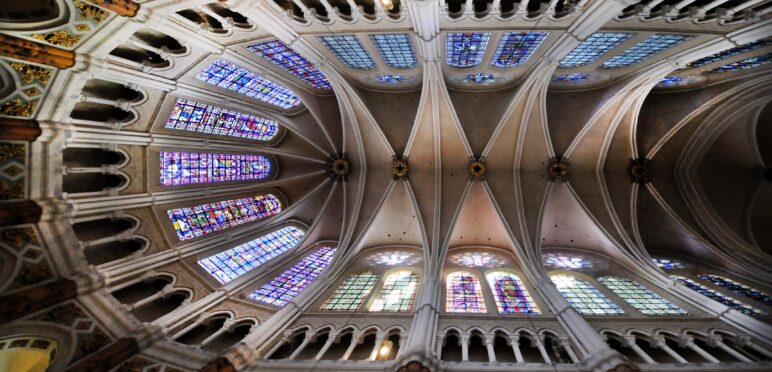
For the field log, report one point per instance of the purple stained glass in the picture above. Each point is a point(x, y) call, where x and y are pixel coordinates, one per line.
point(287, 285)
point(198, 117)
point(229, 76)
point(464, 294)
point(510, 294)
point(228, 265)
point(186, 168)
point(283, 56)
point(516, 47)
point(465, 49)
point(192, 222)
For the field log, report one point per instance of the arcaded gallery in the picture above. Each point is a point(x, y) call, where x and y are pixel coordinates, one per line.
point(385, 185)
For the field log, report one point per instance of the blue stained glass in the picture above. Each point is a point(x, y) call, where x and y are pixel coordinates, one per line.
point(571, 77)
point(390, 78)
point(669, 80)
point(593, 47)
point(192, 222)
point(510, 294)
point(667, 264)
point(738, 288)
point(745, 64)
point(645, 49)
point(228, 265)
point(729, 53)
point(464, 294)
point(198, 117)
point(395, 49)
point(640, 297)
point(516, 47)
point(185, 168)
point(229, 76)
point(726, 300)
point(348, 49)
point(465, 49)
point(479, 78)
point(283, 56)
point(287, 285)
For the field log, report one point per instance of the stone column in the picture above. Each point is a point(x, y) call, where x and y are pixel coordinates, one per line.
point(569, 350)
point(32, 51)
point(688, 341)
point(278, 345)
point(19, 130)
point(542, 350)
point(489, 339)
point(306, 340)
point(629, 341)
point(515, 342)
point(659, 342)
point(330, 339)
point(27, 301)
point(464, 340)
point(354, 341)
point(380, 336)
point(716, 341)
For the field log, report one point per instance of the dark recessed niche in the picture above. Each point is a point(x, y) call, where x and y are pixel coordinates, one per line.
point(768, 174)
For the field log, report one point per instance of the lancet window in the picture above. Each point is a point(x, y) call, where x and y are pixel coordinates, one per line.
point(593, 47)
point(397, 293)
point(192, 222)
point(186, 168)
point(738, 288)
point(639, 297)
point(290, 283)
point(198, 117)
point(745, 64)
point(716, 296)
point(465, 49)
point(729, 53)
point(645, 49)
point(352, 293)
point(510, 294)
point(464, 294)
point(281, 55)
point(229, 76)
point(584, 297)
point(668, 264)
point(228, 265)
point(348, 49)
point(395, 49)
point(516, 47)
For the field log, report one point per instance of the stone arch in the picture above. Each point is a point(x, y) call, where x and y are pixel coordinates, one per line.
point(450, 345)
point(64, 337)
point(232, 335)
point(33, 15)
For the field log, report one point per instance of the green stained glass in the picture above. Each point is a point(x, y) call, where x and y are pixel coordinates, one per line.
point(397, 293)
point(585, 298)
point(351, 293)
point(646, 301)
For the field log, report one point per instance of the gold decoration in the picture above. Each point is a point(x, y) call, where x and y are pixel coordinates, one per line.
point(91, 12)
point(477, 168)
point(399, 168)
point(19, 237)
point(11, 191)
point(82, 27)
point(18, 108)
point(32, 92)
point(12, 151)
point(61, 38)
point(30, 73)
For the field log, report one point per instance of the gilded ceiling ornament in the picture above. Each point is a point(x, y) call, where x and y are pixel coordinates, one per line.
point(60, 38)
point(558, 170)
point(18, 237)
point(91, 12)
point(82, 27)
point(477, 168)
point(399, 167)
point(18, 108)
point(32, 92)
point(10, 191)
point(639, 170)
point(12, 151)
point(30, 73)
point(339, 166)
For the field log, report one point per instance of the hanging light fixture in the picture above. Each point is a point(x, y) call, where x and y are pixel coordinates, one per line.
point(387, 4)
point(385, 348)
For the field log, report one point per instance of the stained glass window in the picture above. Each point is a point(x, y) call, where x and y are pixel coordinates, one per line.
point(198, 117)
point(585, 298)
point(352, 293)
point(567, 261)
point(571, 77)
point(745, 64)
point(203, 219)
point(667, 264)
point(729, 53)
point(645, 49)
point(228, 265)
point(738, 288)
point(229, 76)
point(516, 47)
point(397, 293)
point(478, 259)
point(465, 49)
point(287, 285)
point(670, 80)
point(714, 295)
point(593, 47)
point(390, 78)
point(510, 294)
point(639, 297)
point(464, 294)
point(283, 56)
point(479, 78)
point(348, 49)
point(393, 258)
point(395, 49)
point(185, 168)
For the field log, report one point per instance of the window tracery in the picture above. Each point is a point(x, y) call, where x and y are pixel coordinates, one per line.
point(395, 49)
point(650, 46)
point(724, 54)
point(510, 294)
point(745, 64)
point(192, 222)
point(465, 49)
point(198, 117)
point(639, 297)
point(464, 294)
point(397, 293)
point(516, 47)
point(584, 297)
point(349, 51)
point(227, 75)
point(718, 297)
point(478, 259)
point(228, 265)
point(392, 258)
point(668, 264)
point(738, 288)
point(281, 55)
point(290, 283)
point(567, 261)
point(571, 77)
point(185, 168)
point(352, 293)
point(479, 78)
point(390, 78)
point(595, 46)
